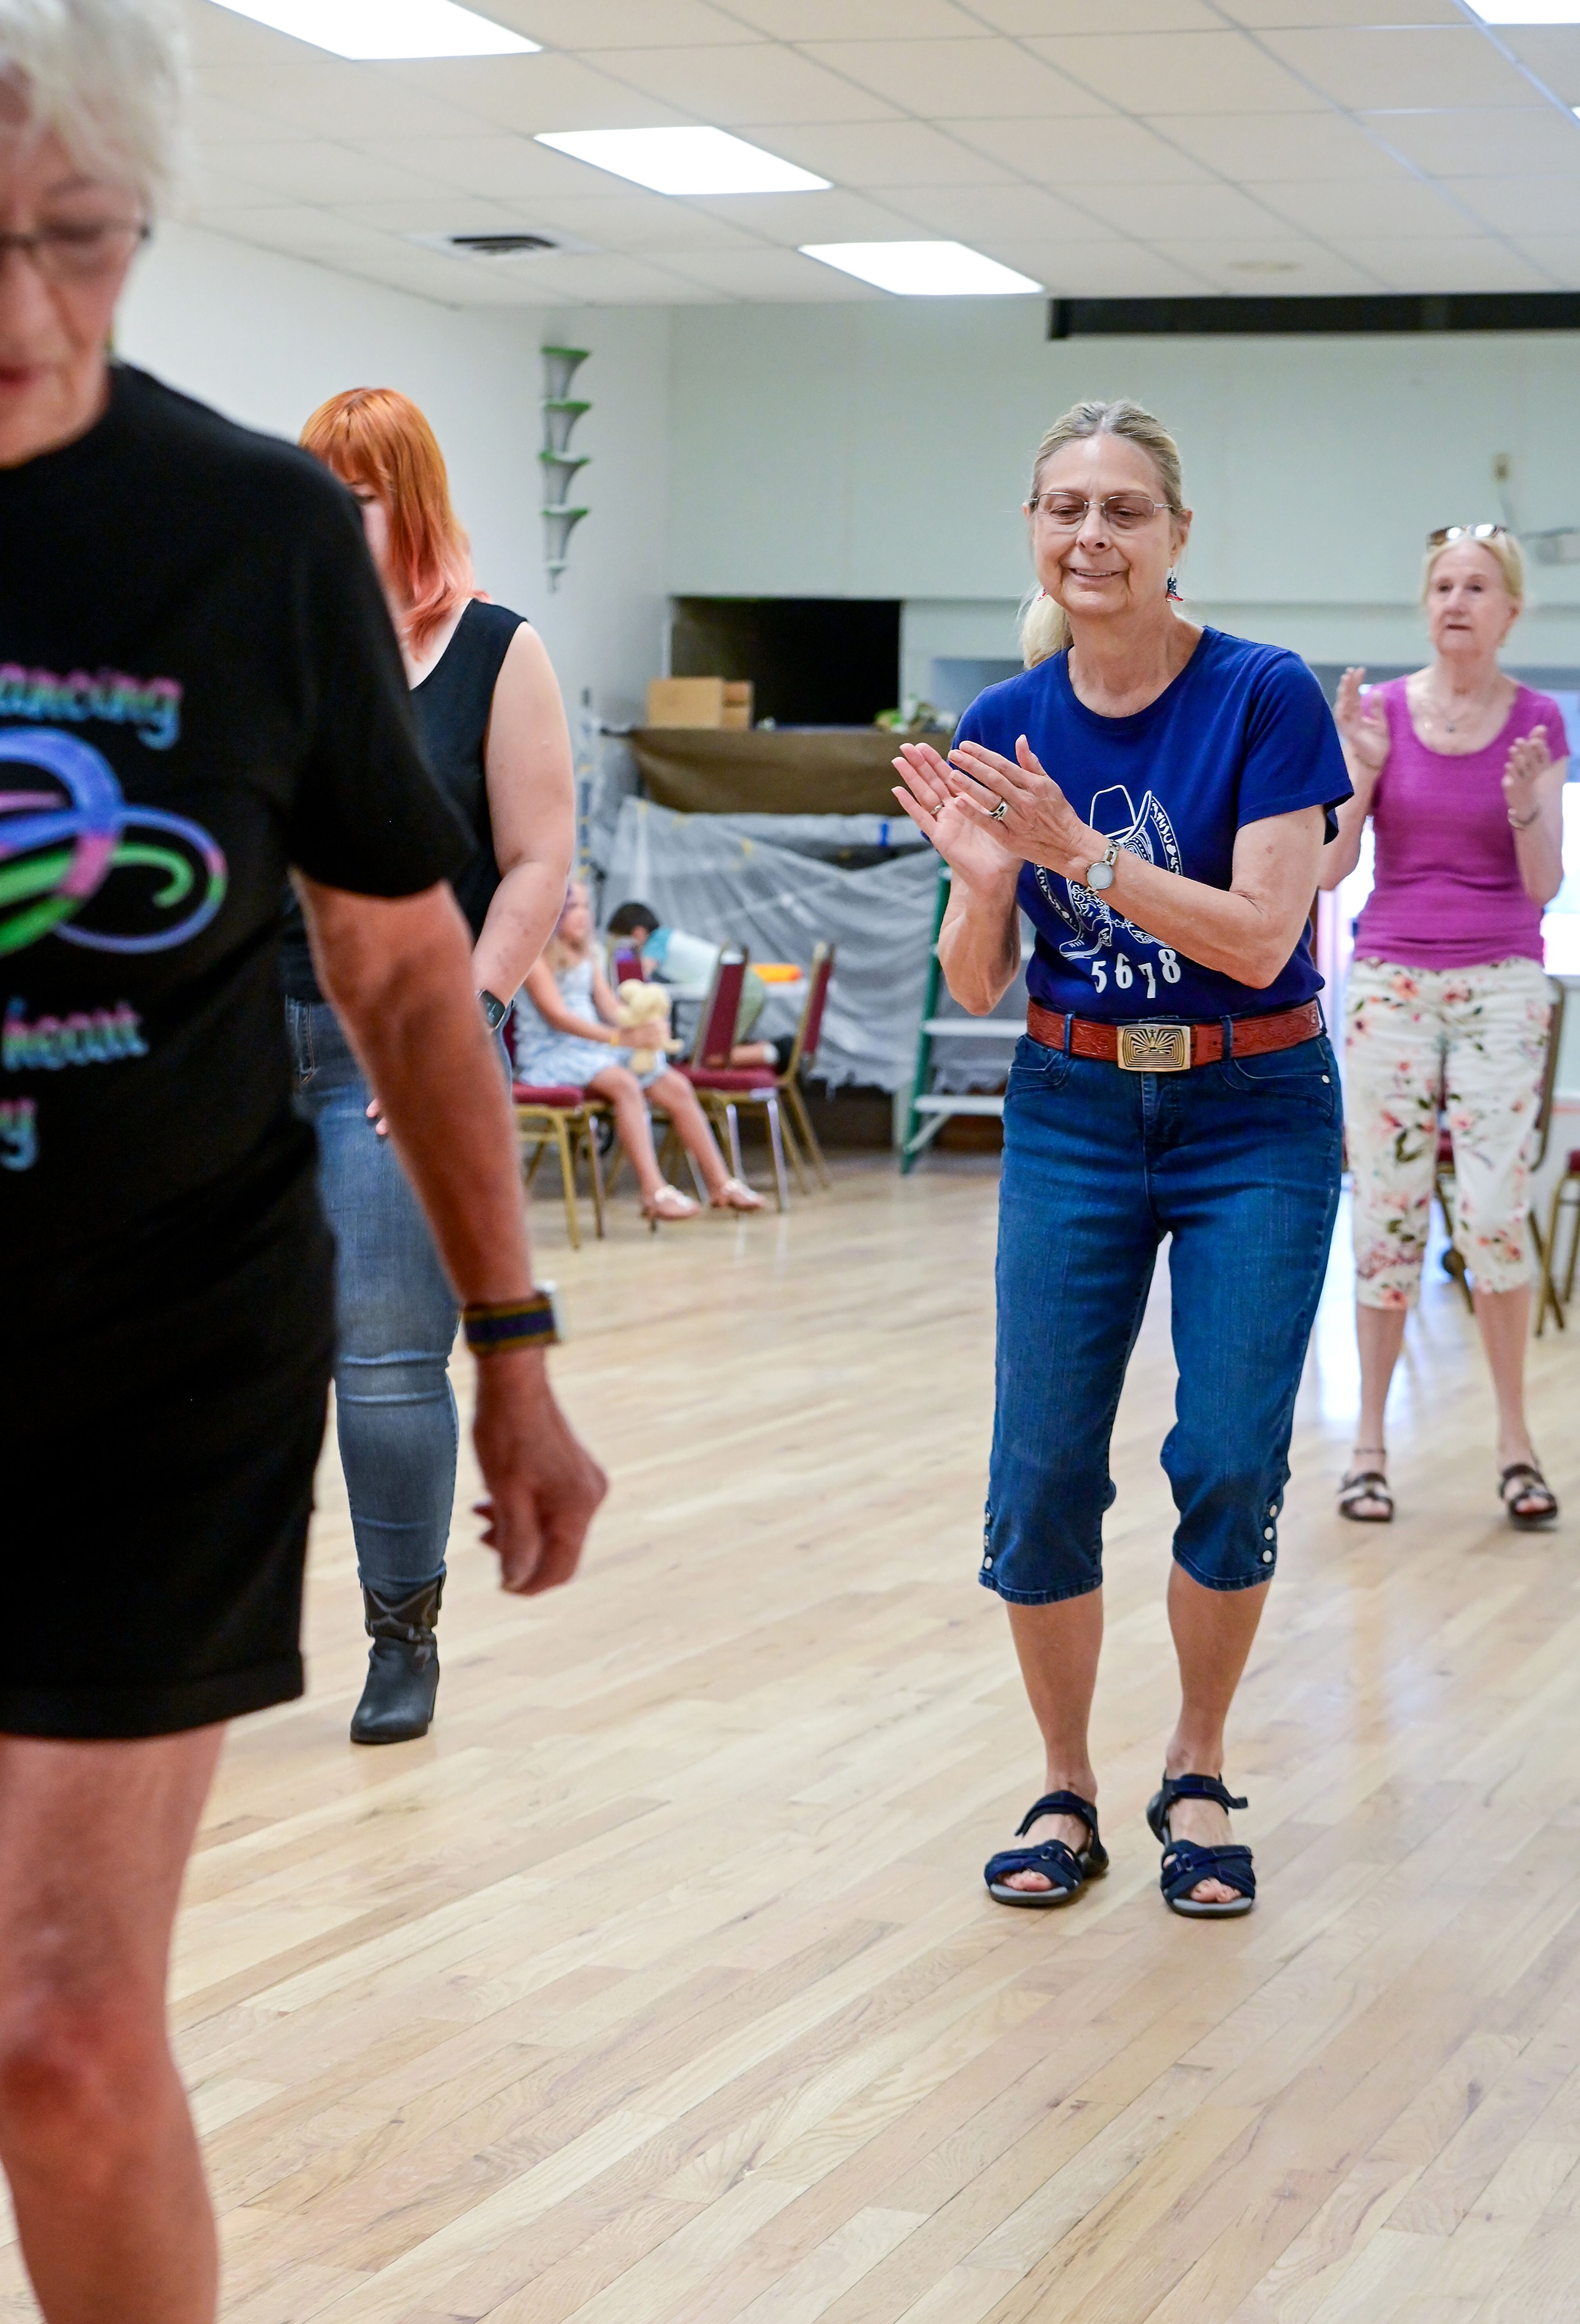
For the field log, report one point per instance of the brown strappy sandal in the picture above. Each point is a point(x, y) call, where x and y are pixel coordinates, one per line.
point(1366, 1485)
point(1523, 1481)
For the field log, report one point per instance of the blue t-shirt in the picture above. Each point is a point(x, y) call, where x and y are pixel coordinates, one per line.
point(1242, 733)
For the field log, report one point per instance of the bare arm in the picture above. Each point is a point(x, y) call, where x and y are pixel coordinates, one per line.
point(1533, 792)
point(526, 760)
point(1247, 930)
point(1363, 731)
point(549, 1003)
point(399, 974)
point(979, 943)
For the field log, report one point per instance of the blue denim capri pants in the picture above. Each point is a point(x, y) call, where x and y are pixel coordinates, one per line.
point(1238, 1164)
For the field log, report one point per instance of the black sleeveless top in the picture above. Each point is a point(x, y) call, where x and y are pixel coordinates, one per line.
point(452, 704)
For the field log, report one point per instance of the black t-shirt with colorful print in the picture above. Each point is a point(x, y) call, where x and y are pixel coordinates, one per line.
point(199, 688)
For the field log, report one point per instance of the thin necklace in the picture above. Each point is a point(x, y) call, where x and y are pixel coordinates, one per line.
point(1483, 703)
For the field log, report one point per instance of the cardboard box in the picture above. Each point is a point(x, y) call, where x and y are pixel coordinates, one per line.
point(699, 702)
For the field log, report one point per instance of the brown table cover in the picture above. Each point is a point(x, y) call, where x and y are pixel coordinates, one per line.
point(819, 770)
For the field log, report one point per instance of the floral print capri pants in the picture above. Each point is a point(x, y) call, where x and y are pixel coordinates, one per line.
point(1471, 1040)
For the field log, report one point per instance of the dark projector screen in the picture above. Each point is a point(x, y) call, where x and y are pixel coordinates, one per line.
point(814, 661)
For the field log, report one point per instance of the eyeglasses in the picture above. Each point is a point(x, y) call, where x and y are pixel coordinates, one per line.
point(79, 254)
point(1120, 512)
point(1447, 532)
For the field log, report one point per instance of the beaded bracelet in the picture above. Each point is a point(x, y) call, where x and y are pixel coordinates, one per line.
point(495, 1328)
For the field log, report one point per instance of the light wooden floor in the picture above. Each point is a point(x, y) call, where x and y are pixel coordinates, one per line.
point(658, 1985)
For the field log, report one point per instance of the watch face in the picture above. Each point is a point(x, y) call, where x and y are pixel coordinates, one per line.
point(1100, 875)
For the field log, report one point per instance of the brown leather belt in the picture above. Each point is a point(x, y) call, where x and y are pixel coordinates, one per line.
point(1153, 1047)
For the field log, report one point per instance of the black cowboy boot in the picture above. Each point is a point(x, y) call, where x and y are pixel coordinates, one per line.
point(402, 1668)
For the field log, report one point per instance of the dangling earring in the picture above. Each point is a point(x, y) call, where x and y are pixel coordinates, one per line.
point(1172, 591)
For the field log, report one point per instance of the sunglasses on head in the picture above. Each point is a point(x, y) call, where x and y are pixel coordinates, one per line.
point(1447, 532)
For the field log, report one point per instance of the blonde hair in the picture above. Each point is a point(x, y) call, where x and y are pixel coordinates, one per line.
point(108, 78)
point(1045, 629)
point(1502, 548)
point(558, 954)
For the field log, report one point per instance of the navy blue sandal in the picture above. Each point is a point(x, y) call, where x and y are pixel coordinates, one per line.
point(1186, 1865)
point(1067, 1868)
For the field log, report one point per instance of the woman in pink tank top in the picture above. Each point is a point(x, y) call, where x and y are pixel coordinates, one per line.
point(1461, 769)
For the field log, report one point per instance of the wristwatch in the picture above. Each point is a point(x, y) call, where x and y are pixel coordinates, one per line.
point(495, 1009)
point(1100, 874)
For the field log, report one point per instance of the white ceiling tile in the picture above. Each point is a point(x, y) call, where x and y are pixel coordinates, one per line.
point(979, 215)
point(892, 153)
point(1248, 146)
point(533, 93)
point(317, 172)
point(297, 227)
point(1109, 270)
point(1270, 270)
point(1179, 72)
point(958, 78)
point(1337, 206)
point(210, 121)
point(1416, 66)
point(648, 222)
point(1215, 213)
point(1468, 263)
point(1310, 14)
point(212, 189)
point(1505, 141)
point(1524, 205)
point(591, 24)
point(1552, 52)
point(1026, 17)
point(855, 20)
point(771, 274)
point(490, 163)
point(614, 282)
point(1558, 256)
point(762, 83)
point(791, 219)
point(329, 98)
point(1074, 153)
point(437, 211)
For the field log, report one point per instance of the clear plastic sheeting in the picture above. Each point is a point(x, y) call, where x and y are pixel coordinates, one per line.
point(777, 884)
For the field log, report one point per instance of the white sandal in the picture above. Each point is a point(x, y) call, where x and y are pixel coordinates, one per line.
point(670, 1203)
point(735, 1194)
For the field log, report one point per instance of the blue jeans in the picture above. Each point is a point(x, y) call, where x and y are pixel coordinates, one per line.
point(1238, 1164)
point(396, 1317)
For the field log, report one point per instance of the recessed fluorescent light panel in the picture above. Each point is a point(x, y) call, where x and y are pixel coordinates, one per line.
point(686, 160)
point(386, 28)
point(1527, 11)
point(922, 270)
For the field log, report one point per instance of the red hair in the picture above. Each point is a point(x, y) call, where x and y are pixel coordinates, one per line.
point(378, 438)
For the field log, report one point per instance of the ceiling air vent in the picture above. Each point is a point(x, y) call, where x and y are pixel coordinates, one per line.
point(499, 245)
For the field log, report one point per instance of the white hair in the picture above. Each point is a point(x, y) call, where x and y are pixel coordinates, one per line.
point(108, 78)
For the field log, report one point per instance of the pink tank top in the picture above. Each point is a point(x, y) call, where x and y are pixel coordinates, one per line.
point(1448, 892)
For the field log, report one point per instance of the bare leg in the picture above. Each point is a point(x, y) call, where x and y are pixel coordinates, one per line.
point(753, 1053)
point(1380, 1336)
point(1213, 1634)
point(1504, 1317)
point(675, 1093)
point(1058, 1647)
point(94, 2132)
point(623, 1093)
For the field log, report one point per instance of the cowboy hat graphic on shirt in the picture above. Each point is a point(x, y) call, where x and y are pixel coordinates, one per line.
point(1145, 831)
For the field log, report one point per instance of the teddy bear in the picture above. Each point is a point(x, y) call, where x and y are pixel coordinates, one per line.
point(647, 1006)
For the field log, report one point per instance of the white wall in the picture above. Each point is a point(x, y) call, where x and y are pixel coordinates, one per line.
point(266, 337)
point(881, 450)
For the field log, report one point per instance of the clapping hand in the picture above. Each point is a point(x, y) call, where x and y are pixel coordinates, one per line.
point(1527, 761)
point(931, 798)
point(1362, 722)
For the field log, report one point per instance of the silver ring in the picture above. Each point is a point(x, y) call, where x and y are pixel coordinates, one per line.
point(1001, 811)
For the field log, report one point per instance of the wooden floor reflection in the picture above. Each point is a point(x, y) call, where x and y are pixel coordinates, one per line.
point(658, 1985)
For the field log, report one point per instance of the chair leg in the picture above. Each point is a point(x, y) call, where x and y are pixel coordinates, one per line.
point(596, 1172)
point(733, 1123)
point(792, 1152)
point(1453, 1261)
point(797, 1105)
point(568, 1181)
point(538, 1153)
point(770, 1108)
point(1573, 1243)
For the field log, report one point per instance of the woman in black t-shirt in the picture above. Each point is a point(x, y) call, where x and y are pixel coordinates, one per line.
point(489, 716)
point(199, 688)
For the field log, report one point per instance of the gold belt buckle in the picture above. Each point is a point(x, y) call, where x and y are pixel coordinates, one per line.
point(1154, 1048)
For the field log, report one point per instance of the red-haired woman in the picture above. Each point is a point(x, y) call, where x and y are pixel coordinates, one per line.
point(494, 727)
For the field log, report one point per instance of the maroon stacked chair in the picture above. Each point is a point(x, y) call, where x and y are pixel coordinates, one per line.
point(722, 1089)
